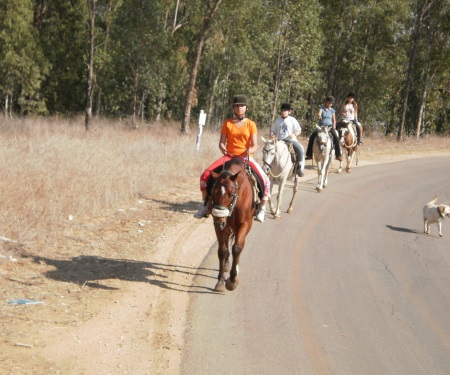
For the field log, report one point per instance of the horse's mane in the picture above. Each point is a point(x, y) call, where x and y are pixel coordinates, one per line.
point(234, 161)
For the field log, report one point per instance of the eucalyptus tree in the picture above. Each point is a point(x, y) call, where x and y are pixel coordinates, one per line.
point(22, 62)
point(364, 53)
point(431, 77)
point(241, 57)
point(64, 38)
point(299, 49)
point(212, 7)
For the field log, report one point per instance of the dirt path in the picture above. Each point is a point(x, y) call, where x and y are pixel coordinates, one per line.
point(115, 290)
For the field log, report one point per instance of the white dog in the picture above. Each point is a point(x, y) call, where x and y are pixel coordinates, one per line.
point(434, 214)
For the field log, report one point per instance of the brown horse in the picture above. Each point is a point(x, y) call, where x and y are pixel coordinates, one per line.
point(233, 209)
point(349, 143)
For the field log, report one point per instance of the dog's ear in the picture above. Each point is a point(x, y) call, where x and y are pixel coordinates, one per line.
point(441, 209)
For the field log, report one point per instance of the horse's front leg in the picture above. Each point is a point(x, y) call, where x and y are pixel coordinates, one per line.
point(233, 281)
point(276, 215)
point(340, 167)
point(349, 161)
point(319, 186)
point(223, 254)
point(272, 211)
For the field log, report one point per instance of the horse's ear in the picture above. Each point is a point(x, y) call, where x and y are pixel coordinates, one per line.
point(263, 139)
point(235, 176)
point(215, 175)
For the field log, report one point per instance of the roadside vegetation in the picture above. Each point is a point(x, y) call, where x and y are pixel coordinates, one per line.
point(54, 172)
point(169, 59)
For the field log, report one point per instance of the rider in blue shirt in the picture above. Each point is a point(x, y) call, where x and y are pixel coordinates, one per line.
point(327, 117)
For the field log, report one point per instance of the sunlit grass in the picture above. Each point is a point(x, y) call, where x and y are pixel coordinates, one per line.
point(53, 169)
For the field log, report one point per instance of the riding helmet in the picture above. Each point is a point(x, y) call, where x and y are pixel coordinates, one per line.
point(240, 99)
point(286, 107)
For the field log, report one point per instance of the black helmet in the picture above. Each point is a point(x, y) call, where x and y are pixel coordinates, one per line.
point(286, 107)
point(240, 99)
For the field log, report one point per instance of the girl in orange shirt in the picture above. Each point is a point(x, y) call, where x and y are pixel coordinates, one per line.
point(237, 137)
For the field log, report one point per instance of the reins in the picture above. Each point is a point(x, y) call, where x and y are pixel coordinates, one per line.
point(276, 155)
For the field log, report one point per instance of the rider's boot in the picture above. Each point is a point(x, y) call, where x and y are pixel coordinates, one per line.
point(300, 169)
point(261, 214)
point(202, 212)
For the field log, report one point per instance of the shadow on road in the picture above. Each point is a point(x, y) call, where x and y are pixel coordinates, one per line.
point(404, 230)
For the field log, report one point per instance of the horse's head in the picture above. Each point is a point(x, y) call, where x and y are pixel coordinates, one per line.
point(224, 194)
point(322, 138)
point(348, 138)
point(269, 153)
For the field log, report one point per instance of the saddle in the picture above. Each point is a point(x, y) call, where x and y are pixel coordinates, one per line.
point(255, 182)
point(291, 151)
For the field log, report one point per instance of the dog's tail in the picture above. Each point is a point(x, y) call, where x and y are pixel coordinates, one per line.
point(434, 200)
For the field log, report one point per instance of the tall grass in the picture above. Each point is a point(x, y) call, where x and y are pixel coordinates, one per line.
point(53, 168)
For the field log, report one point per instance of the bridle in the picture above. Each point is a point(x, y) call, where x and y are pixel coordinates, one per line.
point(221, 211)
point(269, 165)
point(320, 143)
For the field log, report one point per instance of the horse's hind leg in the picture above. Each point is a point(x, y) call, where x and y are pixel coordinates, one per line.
point(291, 205)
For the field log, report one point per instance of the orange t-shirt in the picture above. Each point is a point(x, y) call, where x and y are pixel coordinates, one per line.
point(238, 139)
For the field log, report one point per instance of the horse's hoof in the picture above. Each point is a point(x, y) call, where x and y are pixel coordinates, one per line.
point(318, 189)
point(231, 285)
point(339, 171)
point(276, 217)
point(347, 170)
point(226, 266)
point(289, 211)
point(220, 287)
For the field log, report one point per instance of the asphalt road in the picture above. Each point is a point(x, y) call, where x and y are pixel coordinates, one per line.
point(347, 284)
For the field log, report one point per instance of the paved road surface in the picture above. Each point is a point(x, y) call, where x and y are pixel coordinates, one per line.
point(347, 284)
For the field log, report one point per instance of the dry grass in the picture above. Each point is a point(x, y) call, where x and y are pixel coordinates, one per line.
point(53, 169)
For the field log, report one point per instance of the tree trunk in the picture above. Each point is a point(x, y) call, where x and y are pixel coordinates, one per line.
point(210, 106)
point(276, 90)
point(135, 90)
point(193, 76)
point(423, 105)
point(331, 75)
point(6, 105)
point(89, 90)
point(424, 7)
point(40, 8)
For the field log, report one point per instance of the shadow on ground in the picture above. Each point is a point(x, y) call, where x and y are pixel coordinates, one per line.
point(90, 270)
point(404, 230)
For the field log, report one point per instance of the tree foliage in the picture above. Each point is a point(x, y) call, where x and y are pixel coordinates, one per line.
point(393, 54)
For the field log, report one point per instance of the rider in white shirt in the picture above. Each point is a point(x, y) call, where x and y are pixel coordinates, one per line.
point(349, 112)
point(287, 128)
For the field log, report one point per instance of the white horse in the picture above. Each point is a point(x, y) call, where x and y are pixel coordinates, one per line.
point(322, 154)
point(349, 143)
point(277, 163)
